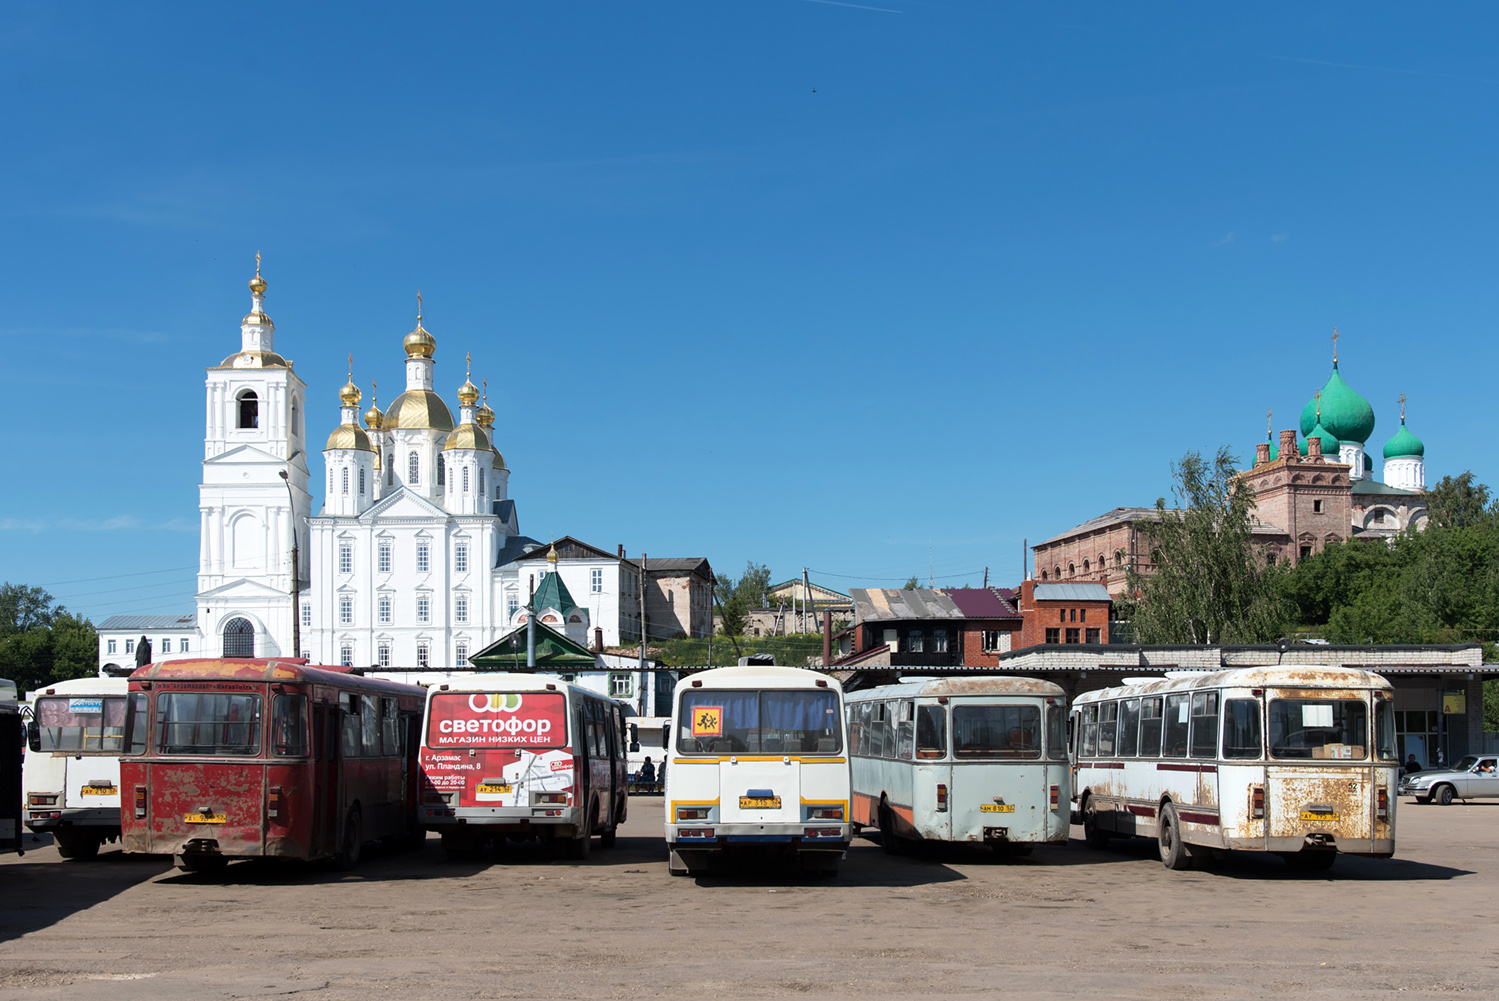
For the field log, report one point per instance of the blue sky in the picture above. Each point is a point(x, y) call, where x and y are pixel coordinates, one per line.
point(808, 283)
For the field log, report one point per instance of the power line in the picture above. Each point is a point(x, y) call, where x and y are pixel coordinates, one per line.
point(90, 580)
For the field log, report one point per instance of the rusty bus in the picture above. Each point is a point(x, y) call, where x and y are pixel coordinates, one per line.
point(10, 769)
point(963, 759)
point(1299, 761)
point(522, 756)
point(246, 758)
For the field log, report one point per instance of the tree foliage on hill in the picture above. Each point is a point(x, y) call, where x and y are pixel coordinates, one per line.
point(42, 642)
point(1458, 502)
point(1208, 584)
point(737, 597)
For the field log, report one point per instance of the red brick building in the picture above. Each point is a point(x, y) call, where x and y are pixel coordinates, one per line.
point(1063, 613)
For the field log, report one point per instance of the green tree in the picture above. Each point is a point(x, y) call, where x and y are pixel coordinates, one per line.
point(1459, 502)
point(41, 641)
point(737, 597)
point(1208, 584)
point(911, 583)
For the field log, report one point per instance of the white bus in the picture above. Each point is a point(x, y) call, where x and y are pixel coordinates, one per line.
point(522, 756)
point(72, 772)
point(757, 763)
point(1299, 761)
point(965, 759)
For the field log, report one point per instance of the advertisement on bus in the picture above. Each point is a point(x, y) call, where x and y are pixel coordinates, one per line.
point(497, 748)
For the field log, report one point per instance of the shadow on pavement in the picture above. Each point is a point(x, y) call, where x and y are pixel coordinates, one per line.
point(42, 889)
point(1264, 865)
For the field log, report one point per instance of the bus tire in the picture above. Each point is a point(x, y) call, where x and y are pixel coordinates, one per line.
point(200, 862)
point(1095, 836)
point(73, 843)
point(891, 842)
point(1443, 796)
point(347, 856)
point(607, 837)
point(1310, 861)
point(577, 848)
point(1174, 854)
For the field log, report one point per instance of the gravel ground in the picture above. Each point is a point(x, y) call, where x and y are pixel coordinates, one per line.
point(1066, 922)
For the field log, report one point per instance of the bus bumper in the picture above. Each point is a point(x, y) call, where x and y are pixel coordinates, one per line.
point(48, 818)
point(506, 819)
point(1376, 847)
point(795, 837)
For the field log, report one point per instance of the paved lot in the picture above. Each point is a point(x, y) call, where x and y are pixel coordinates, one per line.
point(1066, 922)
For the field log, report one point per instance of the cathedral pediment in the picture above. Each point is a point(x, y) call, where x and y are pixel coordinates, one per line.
point(245, 455)
point(241, 589)
point(400, 505)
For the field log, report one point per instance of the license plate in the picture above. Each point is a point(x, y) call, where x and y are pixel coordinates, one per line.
point(1310, 815)
point(489, 789)
point(205, 818)
point(759, 802)
point(99, 791)
point(996, 808)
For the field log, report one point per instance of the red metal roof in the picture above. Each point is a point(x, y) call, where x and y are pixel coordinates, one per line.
point(980, 603)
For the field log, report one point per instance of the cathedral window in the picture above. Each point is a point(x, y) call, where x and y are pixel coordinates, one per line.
point(1086, 565)
point(390, 469)
point(423, 655)
point(249, 409)
point(307, 614)
point(423, 558)
point(346, 611)
point(385, 550)
point(512, 605)
point(413, 469)
point(345, 557)
point(346, 481)
point(346, 655)
point(465, 479)
point(481, 481)
point(442, 471)
point(1071, 570)
point(1317, 506)
point(383, 654)
point(384, 607)
point(361, 481)
point(296, 417)
point(460, 558)
point(460, 653)
point(460, 609)
point(423, 609)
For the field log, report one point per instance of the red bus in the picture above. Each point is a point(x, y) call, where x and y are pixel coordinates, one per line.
point(249, 758)
point(525, 757)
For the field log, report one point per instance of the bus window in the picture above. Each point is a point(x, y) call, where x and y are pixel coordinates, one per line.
point(1241, 728)
point(996, 731)
point(1129, 728)
point(1055, 747)
point(905, 731)
point(289, 726)
point(1177, 725)
point(887, 727)
point(390, 727)
point(349, 741)
point(1090, 731)
point(1324, 728)
point(208, 723)
point(369, 725)
point(1108, 724)
point(1204, 724)
point(1384, 731)
point(931, 732)
point(135, 724)
point(79, 725)
point(876, 730)
point(1150, 727)
point(781, 722)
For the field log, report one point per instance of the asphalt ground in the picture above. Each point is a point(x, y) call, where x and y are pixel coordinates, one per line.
point(954, 921)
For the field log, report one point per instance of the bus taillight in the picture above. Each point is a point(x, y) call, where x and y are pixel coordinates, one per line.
point(549, 797)
point(1257, 803)
point(1056, 796)
point(273, 804)
point(140, 801)
point(941, 798)
point(1382, 807)
point(37, 799)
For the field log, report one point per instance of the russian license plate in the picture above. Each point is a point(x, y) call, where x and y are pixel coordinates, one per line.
point(205, 818)
point(491, 789)
point(99, 791)
point(1313, 815)
point(996, 808)
point(759, 802)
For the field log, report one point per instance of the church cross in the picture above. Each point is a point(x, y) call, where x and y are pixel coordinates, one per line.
point(1269, 422)
point(351, 366)
point(257, 264)
point(1319, 405)
point(1335, 336)
point(418, 306)
point(468, 364)
point(374, 385)
point(1402, 408)
point(486, 392)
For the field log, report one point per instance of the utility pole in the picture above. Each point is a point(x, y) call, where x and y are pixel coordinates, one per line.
point(986, 577)
point(531, 625)
point(930, 583)
point(642, 611)
point(806, 597)
point(296, 572)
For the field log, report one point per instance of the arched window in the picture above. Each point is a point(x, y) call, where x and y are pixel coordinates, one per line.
point(1071, 570)
point(465, 479)
point(1057, 572)
point(442, 470)
point(330, 479)
point(1101, 562)
point(249, 409)
point(346, 480)
point(239, 638)
point(390, 469)
point(1043, 574)
point(1085, 566)
point(481, 481)
point(413, 469)
point(1119, 557)
point(296, 417)
point(361, 481)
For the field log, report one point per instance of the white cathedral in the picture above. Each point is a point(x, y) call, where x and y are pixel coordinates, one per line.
point(416, 559)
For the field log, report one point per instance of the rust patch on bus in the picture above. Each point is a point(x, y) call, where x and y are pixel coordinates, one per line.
point(1342, 796)
point(1004, 685)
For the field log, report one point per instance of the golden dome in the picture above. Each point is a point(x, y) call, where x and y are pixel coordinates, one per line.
point(349, 436)
point(256, 318)
point(499, 461)
point(350, 394)
point(468, 393)
point(373, 418)
point(418, 408)
point(552, 554)
point(468, 436)
point(484, 417)
point(257, 284)
point(419, 343)
point(254, 359)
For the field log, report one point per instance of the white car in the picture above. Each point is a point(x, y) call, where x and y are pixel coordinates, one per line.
point(1474, 777)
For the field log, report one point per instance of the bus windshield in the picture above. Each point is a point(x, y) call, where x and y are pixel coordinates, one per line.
point(77, 725)
point(759, 722)
point(996, 731)
point(1331, 728)
point(208, 723)
point(497, 719)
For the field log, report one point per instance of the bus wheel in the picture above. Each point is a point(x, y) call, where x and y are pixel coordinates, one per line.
point(1095, 836)
point(348, 856)
point(76, 844)
point(1443, 795)
point(892, 843)
point(1310, 861)
point(577, 848)
point(606, 838)
point(200, 862)
point(1174, 854)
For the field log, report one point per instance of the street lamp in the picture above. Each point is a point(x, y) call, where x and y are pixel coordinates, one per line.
point(296, 573)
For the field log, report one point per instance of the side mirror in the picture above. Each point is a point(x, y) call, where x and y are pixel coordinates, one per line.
point(33, 735)
point(635, 747)
point(666, 735)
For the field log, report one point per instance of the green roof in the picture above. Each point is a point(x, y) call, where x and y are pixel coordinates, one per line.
point(553, 650)
point(1404, 445)
point(1367, 486)
point(1330, 444)
point(1346, 415)
point(553, 594)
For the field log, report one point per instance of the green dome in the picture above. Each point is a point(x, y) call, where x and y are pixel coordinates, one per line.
point(1404, 445)
point(1329, 443)
point(1368, 463)
point(1346, 415)
point(1274, 449)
